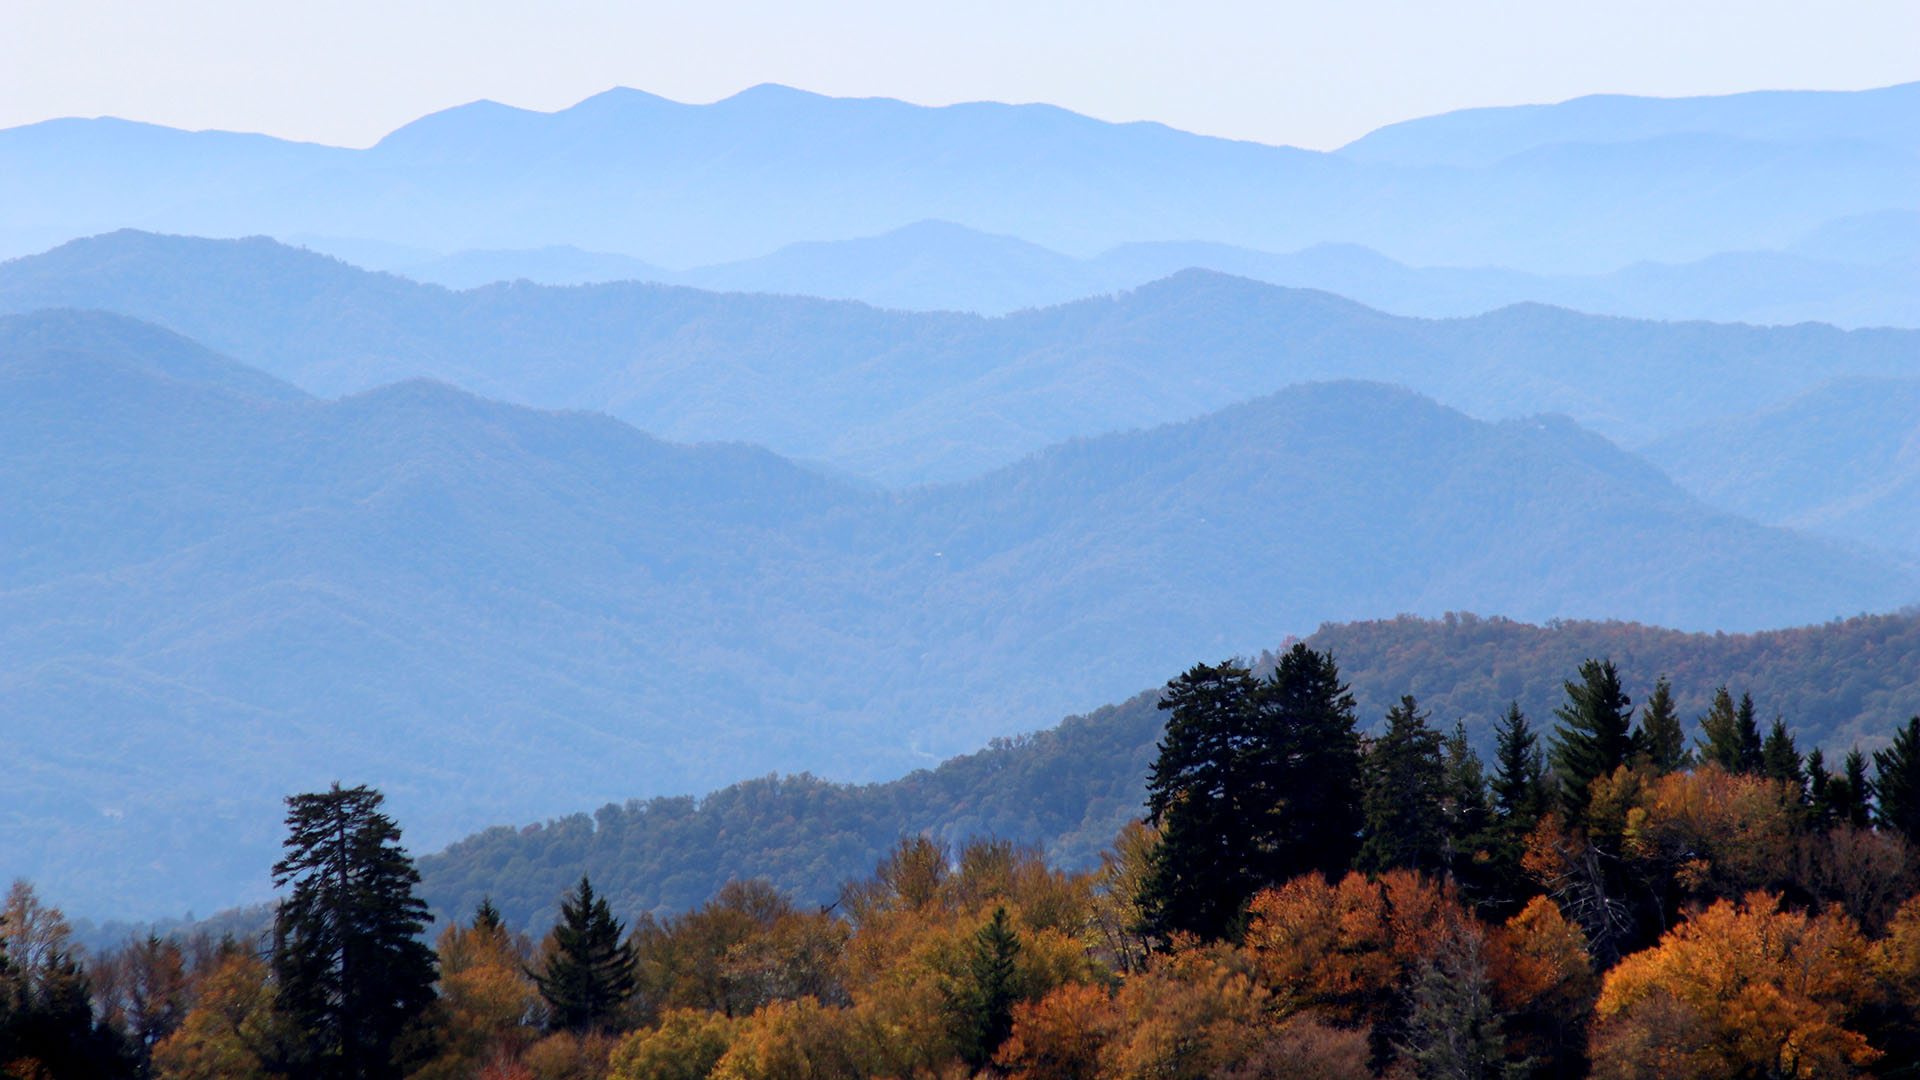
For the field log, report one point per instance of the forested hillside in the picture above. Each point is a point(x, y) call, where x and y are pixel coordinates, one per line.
point(1070, 788)
point(495, 611)
point(903, 397)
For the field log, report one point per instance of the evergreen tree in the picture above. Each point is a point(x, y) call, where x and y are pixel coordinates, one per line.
point(1306, 757)
point(1454, 1031)
point(1520, 792)
point(353, 974)
point(1850, 794)
point(1200, 796)
point(1520, 799)
point(1468, 814)
point(1666, 743)
point(1595, 735)
point(1256, 782)
point(1780, 759)
point(589, 972)
point(1896, 783)
point(983, 1004)
point(1819, 790)
point(1720, 732)
point(1403, 806)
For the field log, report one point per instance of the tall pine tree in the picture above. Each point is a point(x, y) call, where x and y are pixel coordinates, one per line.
point(1896, 783)
point(589, 971)
point(1404, 804)
point(1666, 743)
point(1595, 735)
point(353, 973)
point(1256, 781)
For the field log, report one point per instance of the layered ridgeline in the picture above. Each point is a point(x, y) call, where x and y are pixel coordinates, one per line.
point(1842, 458)
point(939, 266)
point(1071, 788)
point(1589, 185)
point(228, 590)
point(901, 398)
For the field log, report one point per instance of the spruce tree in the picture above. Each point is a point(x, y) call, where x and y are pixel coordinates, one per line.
point(1720, 732)
point(1403, 806)
point(1780, 759)
point(1819, 790)
point(1468, 813)
point(1896, 783)
point(1256, 781)
point(983, 1004)
point(1595, 735)
point(353, 974)
point(589, 971)
point(1850, 794)
point(1200, 796)
point(1666, 743)
point(1520, 799)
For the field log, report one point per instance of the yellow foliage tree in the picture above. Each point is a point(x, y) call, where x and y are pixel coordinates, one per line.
point(686, 1045)
point(1739, 990)
point(232, 1032)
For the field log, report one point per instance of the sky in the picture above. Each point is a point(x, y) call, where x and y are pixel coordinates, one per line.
point(1313, 74)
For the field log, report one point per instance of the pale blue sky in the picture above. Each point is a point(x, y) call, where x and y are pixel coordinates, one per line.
point(1311, 74)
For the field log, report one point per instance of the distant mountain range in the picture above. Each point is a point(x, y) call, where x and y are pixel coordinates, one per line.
point(1587, 186)
point(900, 398)
point(227, 590)
point(938, 266)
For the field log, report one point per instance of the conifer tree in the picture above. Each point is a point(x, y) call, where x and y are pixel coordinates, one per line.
point(1896, 783)
point(1666, 743)
point(589, 971)
point(353, 974)
point(1595, 735)
point(1468, 813)
point(1520, 791)
point(983, 1004)
point(1256, 782)
point(1403, 807)
point(1819, 790)
point(1780, 759)
point(1850, 794)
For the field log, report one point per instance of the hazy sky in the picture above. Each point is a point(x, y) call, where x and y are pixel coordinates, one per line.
point(1312, 74)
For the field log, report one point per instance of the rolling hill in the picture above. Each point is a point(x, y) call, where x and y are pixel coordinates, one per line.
point(902, 398)
point(227, 591)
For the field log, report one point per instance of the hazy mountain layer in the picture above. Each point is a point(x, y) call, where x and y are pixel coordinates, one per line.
point(935, 266)
point(227, 591)
point(1582, 187)
point(1841, 459)
point(903, 397)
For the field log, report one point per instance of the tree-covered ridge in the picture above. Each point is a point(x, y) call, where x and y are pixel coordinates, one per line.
point(1837, 684)
point(1070, 788)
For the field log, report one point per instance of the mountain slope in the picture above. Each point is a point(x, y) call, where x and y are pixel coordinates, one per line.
point(912, 397)
point(1842, 459)
point(683, 185)
point(489, 610)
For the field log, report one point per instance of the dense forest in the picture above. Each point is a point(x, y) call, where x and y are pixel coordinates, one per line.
point(1070, 788)
point(1600, 896)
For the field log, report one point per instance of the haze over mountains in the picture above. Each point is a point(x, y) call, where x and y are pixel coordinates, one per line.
point(938, 266)
point(902, 398)
point(538, 609)
point(1587, 186)
point(511, 549)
